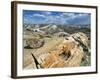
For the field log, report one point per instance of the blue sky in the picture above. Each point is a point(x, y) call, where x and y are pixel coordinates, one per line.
point(48, 17)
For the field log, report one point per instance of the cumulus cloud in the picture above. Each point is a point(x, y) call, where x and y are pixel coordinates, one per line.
point(68, 14)
point(54, 17)
point(38, 15)
point(47, 13)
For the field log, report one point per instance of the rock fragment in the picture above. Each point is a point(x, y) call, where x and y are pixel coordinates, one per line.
point(68, 53)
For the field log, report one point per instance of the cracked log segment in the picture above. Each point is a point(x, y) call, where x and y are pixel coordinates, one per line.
point(63, 52)
point(33, 43)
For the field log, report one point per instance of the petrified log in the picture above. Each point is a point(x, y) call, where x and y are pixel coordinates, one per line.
point(67, 52)
point(34, 43)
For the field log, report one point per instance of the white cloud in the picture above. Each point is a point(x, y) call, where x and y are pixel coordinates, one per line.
point(50, 19)
point(55, 19)
point(68, 14)
point(39, 15)
point(47, 13)
point(73, 15)
point(28, 16)
point(63, 18)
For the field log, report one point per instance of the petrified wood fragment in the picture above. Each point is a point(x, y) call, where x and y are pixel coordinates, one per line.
point(65, 52)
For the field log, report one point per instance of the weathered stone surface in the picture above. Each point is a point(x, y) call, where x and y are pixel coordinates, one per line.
point(82, 38)
point(62, 34)
point(42, 52)
point(69, 52)
point(66, 54)
point(34, 43)
point(28, 60)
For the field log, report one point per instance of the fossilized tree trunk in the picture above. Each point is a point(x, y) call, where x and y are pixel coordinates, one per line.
point(64, 52)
